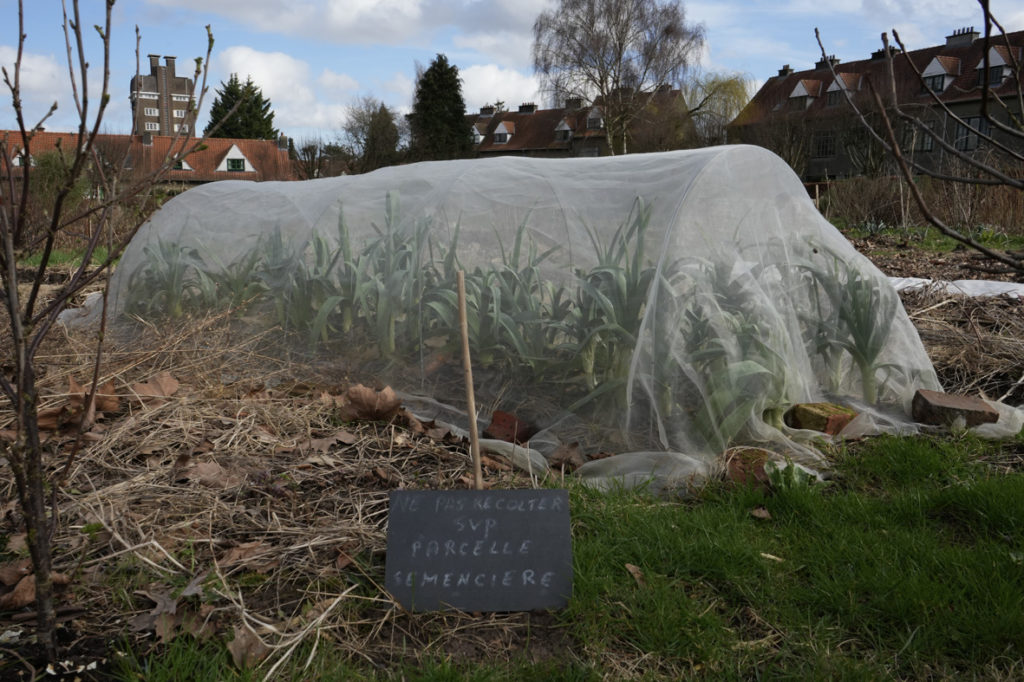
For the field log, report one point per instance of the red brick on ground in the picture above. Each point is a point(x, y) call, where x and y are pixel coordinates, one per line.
point(942, 409)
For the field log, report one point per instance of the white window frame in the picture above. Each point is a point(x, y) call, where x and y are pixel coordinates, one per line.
point(151, 126)
point(180, 98)
point(179, 113)
point(150, 111)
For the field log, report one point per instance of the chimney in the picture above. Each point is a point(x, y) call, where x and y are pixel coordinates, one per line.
point(574, 103)
point(487, 110)
point(170, 66)
point(154, 62)
point(880, 54)
point(962, 37)
point(785, 71)
point(824, 63)
point(527, 108)
point(282, 142)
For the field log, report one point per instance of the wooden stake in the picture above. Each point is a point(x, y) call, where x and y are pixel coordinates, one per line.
point(467, 366)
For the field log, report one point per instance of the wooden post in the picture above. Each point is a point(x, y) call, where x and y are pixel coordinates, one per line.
point(467, 366)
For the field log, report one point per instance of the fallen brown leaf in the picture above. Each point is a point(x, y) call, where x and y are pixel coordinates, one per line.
point(343, 560)
point(760, 513)
point(244, 552)
point(24, 593)
point(13, 571)
point(157, 389)
point(364, 403)
point(568, 456)
point(213, 475)
point(638, 575)
point(246, 648)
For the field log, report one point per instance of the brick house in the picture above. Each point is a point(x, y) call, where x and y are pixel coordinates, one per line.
point(576, 129)
point(162, 100)
point(804, 116)
point(137, 155)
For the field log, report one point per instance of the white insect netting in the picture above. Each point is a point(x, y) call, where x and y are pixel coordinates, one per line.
point(666, 305)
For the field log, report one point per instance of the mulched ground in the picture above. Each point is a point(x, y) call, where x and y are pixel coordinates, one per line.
point(241, 509)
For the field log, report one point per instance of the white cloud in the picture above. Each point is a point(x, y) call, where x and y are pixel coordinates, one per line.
point(287, 82)
point(484, 84)
point(44, 81)
point(337, 86)
point(502, 47)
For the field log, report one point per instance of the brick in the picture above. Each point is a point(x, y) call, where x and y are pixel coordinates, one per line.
point(943, 409)
point(824, 417)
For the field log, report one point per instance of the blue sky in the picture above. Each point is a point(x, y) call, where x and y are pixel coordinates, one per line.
point(314, 58)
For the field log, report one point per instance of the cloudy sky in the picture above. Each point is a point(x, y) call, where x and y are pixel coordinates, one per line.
point(314, 58)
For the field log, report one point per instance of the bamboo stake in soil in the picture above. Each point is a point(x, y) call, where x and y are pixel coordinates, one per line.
point(467, 366)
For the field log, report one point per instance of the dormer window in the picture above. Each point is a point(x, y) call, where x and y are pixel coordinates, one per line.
point(940, 73)
point(235, 162)
point(798, 103)
point(594, 122)
point(995, 75)
point(563, 135)
point(935, 83)
point(503, 132)
point(833, 98)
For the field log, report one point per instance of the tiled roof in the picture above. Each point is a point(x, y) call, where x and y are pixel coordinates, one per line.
point(950, 64)
point(964, 86)
point(146, 153)
point(535, 131)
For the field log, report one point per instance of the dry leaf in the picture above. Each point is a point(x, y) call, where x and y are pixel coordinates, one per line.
point(760, 513)
point(567, 455)
point(343, 560)
point(23, 594)
point(771, 557)
point(8, 435)
point(157, 389)
point(13, 571)
point(244, 552)
point(52, 418)
point(246, 648)
point(16, 543)
point(214, 475)
point(494, 464)
point(637, 574)
point(364, 403)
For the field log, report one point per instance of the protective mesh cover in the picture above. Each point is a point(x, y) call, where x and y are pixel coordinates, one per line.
point(675, 302)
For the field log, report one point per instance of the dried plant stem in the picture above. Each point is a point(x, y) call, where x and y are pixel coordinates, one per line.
point(467, 365)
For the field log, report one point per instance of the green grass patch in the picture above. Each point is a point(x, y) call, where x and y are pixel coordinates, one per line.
point(60, 257)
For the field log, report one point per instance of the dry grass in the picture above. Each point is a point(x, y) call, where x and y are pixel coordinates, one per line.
point(241, 504)
point(975, 344)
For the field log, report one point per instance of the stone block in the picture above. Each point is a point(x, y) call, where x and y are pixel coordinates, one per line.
point(943, 409)
point(824, 417)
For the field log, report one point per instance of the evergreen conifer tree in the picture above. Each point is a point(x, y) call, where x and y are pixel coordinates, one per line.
point(253, 119)
point(438, 124)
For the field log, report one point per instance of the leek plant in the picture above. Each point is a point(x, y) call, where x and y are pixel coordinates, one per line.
point(172, 281)
point(610, 304)
point(860, 312)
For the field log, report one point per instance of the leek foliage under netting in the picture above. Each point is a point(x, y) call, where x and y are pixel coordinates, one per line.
point(676, 302)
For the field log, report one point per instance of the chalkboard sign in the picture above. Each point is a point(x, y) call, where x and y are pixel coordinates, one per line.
point(476, 550)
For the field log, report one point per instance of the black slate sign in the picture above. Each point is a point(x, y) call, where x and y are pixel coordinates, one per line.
point(479, 550)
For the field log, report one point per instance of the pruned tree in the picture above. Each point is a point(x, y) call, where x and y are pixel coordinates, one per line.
point(998, 131)
point(372, 135)
point(240, 111)
point(28, 316)
point(437, 124)
point(616, 53)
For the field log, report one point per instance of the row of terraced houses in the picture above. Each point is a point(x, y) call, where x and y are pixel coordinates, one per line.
point(804, 116)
